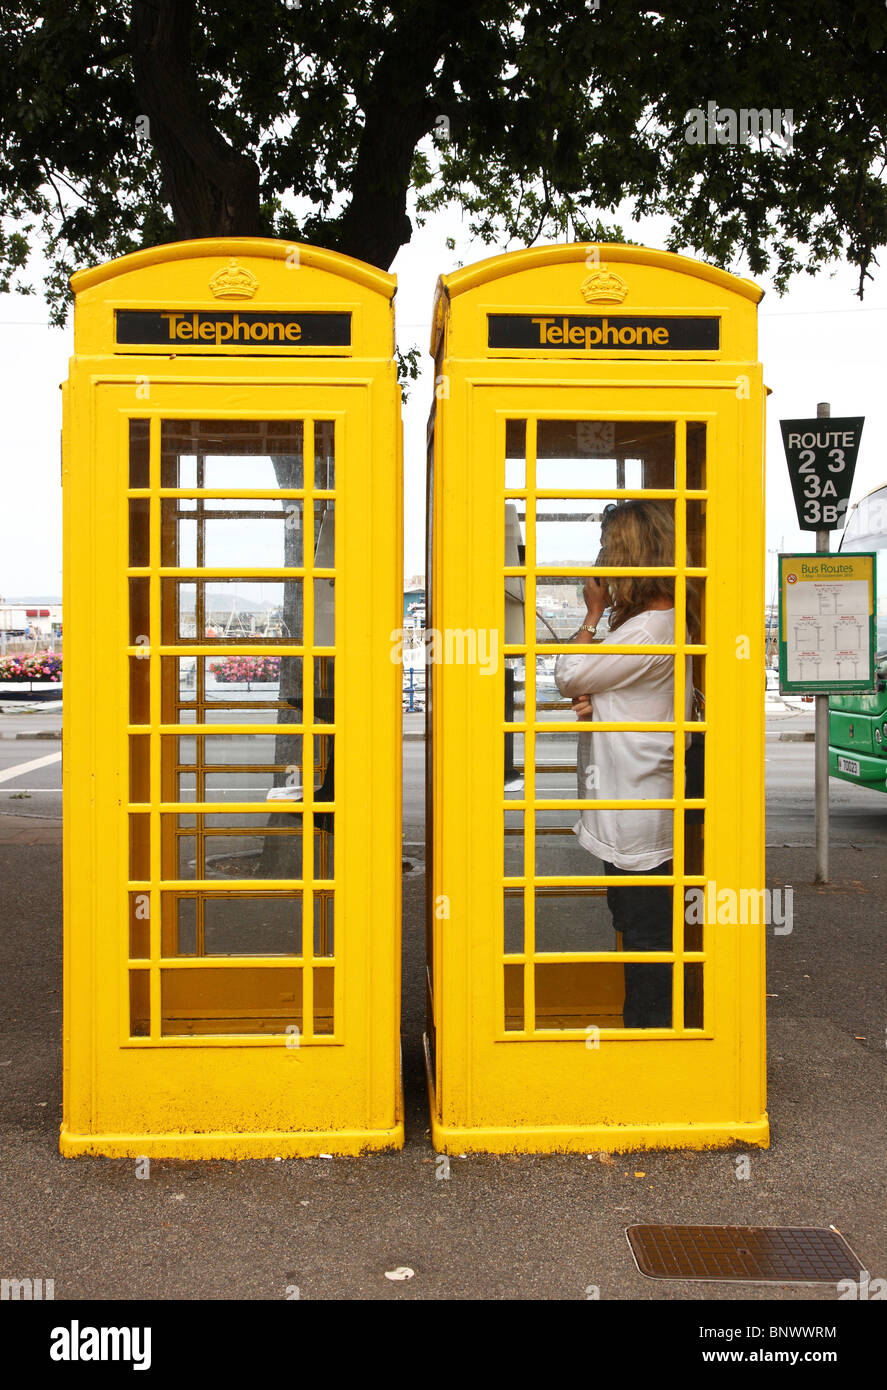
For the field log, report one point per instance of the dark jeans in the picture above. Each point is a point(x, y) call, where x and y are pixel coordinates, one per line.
point(643, 916)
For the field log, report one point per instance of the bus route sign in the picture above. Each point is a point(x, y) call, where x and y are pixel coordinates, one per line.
point(821, 456)
point(827, 623)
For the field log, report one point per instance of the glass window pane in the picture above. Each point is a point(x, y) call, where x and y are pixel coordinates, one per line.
point(139, 534)
point(232, 453)
point(139, 768)
point(515, 674)
point(207, 846)
point(225, 534)
point(696, 454)
point(514, 844)
point(139, 926)
point(324, 454)
point(178, 924)
point(139, 613)
point(573, 919)
point(243, 1000)
point(515, 455)
point(560, 608)
point(139, 435)
point(139, 1003)
point(599, 454)
point(323, 1002)
point(139, 690)
point(558, 850)
point(514, 921)
point(270, 925)
point(696, 550)
point(514, 766)
point(569, 532)
point(602, 994)
point(693, 995)
point(324, 926)
point(140, 847)
point(514, 998)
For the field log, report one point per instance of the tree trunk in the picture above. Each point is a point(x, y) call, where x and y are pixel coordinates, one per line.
point(212, 189)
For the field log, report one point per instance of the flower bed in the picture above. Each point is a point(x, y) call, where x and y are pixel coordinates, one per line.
point(43, 667)
point(246, 670)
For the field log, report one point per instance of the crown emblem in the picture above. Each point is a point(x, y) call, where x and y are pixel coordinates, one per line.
point(604, 286)
point(233, 281)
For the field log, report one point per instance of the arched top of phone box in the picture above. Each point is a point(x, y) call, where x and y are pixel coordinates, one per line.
point(311, 301)
point(587, 281)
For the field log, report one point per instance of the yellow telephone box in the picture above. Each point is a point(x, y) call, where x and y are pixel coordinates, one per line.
point(232, 473)
point(596, 906)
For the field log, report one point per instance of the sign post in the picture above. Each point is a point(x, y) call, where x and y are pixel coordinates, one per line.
point(821, 463)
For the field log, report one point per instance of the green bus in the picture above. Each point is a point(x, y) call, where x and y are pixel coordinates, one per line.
point(857, 725)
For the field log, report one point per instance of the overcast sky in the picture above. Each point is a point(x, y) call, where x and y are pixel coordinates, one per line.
point(817, 342)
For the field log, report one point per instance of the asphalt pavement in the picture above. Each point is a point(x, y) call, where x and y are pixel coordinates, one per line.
point(497, 1228)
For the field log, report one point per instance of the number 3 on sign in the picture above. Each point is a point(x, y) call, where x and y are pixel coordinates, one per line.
point(838, 455)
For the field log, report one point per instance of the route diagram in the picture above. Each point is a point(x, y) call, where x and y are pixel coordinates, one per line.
point(827, 625)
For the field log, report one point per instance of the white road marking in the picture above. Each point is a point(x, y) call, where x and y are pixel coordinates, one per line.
point(22, 768)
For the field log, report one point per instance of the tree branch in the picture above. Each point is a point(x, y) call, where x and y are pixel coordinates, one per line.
point(397, 114)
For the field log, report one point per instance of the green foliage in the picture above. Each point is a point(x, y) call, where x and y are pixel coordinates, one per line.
point(407, 368)
point(531, 120)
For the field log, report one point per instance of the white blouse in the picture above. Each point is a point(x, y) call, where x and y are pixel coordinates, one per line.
point(626, 766)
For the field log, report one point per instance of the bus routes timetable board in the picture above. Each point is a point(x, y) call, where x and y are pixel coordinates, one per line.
point(826, 623)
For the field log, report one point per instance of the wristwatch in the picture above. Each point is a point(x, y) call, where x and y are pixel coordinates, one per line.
point(585, 628)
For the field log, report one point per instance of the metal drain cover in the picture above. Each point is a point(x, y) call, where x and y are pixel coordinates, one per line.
point(756, 1254)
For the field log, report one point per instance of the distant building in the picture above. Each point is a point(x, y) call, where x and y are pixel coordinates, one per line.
point(414, 602)
point(21, 616)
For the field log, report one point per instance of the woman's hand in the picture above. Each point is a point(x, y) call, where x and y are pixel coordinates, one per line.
point(582, 707)
point(596, 597)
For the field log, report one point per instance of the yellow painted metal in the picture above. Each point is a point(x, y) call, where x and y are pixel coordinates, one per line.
point(230, 1061)
point(508, 1071)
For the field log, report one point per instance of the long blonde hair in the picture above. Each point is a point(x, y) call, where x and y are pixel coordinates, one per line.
point(638, 532)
